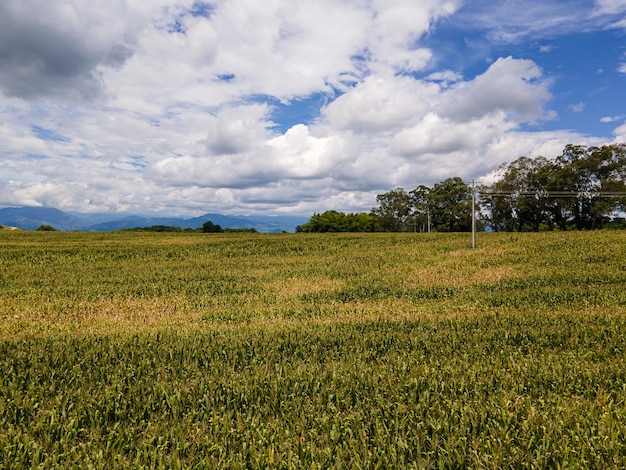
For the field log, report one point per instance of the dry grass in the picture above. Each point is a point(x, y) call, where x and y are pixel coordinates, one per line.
point(130, 350)
point(55, 283)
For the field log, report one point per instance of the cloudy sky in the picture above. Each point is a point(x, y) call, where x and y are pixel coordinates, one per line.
point(180, 107)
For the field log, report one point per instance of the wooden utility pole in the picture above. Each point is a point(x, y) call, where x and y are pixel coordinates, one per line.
point(473, 214)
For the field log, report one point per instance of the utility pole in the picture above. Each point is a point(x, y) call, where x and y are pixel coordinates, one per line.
point(473, 214)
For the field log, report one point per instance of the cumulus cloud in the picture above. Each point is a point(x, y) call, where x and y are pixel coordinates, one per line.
point(174, 106)
point(50, 48)
point(397, 27)
point(308, 57)
point(238, 129)
point(446, 76)
point(620, 134)
point(509, 85)
point(299, 155)
point(439, 135)
point(295, 155)
point(608, 119)
point(381, 104)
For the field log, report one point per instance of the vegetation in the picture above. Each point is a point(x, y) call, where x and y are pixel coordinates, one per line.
point(394, 210)
point(160, 228)
point(210, 227)
point(450, 203)
point(134, 349)
point(583, 189)
point(240, 230)
point(446, 207)
point(46, 228)
point(207, 227)
point(333, 221)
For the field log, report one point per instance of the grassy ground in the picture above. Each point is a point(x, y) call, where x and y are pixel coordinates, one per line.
point(292, 351)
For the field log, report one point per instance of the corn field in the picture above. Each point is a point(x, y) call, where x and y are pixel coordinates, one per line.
point(178, 350)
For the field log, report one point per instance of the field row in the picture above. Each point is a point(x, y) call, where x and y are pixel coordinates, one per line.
point(144, 350)
point(486, 391)
point(58, 283)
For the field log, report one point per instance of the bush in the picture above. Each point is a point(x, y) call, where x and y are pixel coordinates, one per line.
point(46, 228)
point(210, 227)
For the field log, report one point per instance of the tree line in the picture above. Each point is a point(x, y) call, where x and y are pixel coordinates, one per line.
point(582, 189)
point(207, 227)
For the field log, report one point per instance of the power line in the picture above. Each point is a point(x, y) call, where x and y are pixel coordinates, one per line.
point(556, 194)
point(543, 192)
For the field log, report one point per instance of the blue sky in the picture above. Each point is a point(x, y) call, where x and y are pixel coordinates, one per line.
point(579, 52)
point(178, 107)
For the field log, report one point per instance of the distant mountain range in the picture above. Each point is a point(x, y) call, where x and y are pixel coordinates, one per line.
point(30, 218)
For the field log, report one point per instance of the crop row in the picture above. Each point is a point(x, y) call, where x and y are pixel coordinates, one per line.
point(319, 351)
point(56, 281)
point(483, 391)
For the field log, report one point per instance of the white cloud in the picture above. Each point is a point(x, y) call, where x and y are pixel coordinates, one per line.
point(238, 129)
point(577, 108)
point(278, 48)
point(161, 111)
point(382, 104)
point(299, 155)
point(620, 134)
point(440, 135)
point(446, 77)
point(610, 6)
point(396, 29)
point(515, 21)
point(381, 133)
point(293, 156)
point(608, 119)
point(509, 85)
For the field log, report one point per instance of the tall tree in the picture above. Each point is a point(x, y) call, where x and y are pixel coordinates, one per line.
point(394, 210)
point(451, 202)
point(420, 200)
point(519, 200)
point(580, 188)
point(590, 172)
point(333, 221)
point(210, 227)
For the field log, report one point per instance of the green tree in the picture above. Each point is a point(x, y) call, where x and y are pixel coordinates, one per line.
point(362, 222)
point(394, 210)
point(46, 228)
point(581, 188)
point(520, 200)
point(210, 227)
point(451, 203)
point(421, 208)
point(590, 173)
point(334, 221)
point(498, 203)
